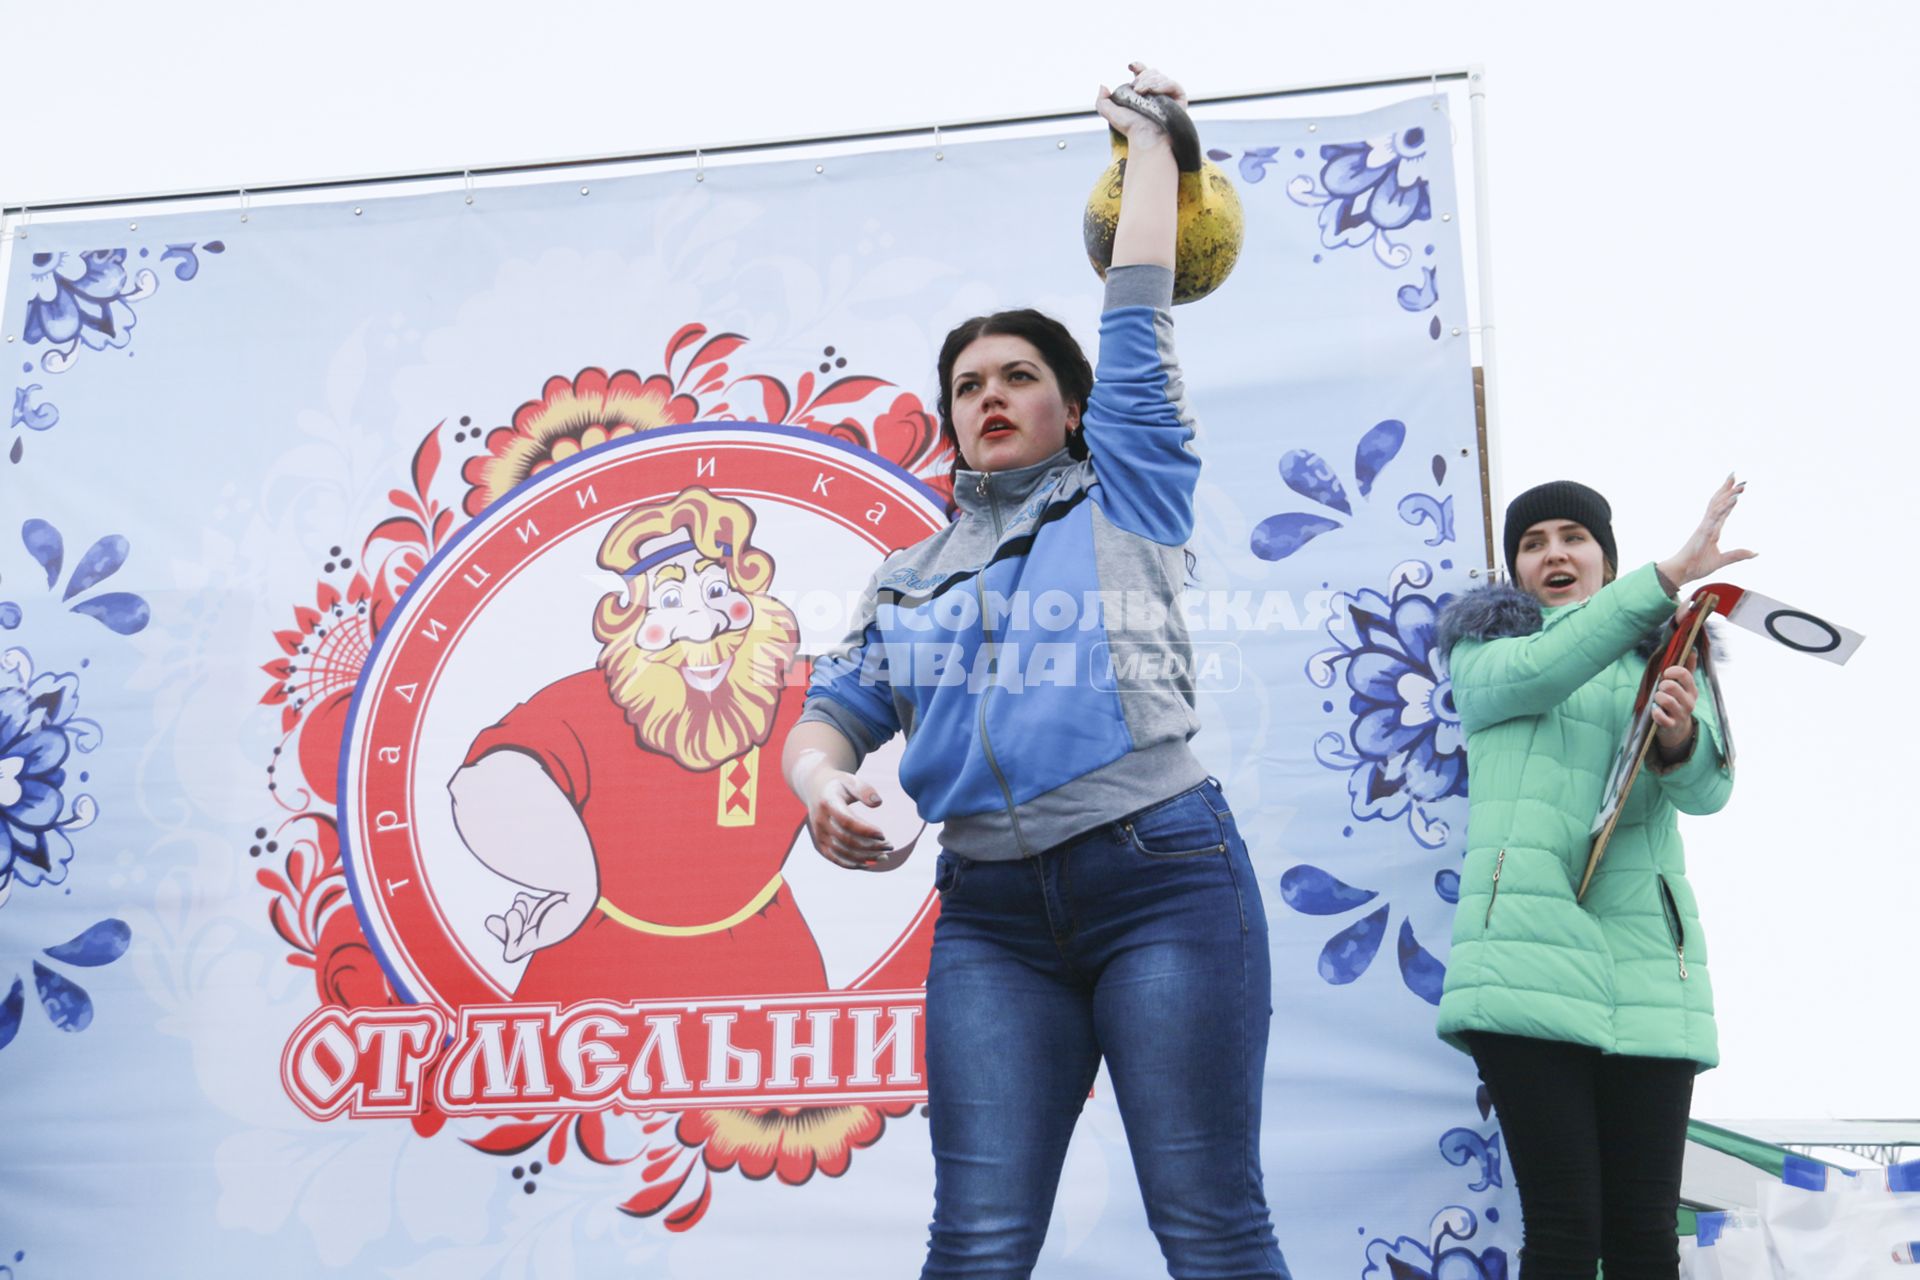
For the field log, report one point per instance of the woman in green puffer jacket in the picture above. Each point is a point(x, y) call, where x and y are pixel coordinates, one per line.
point(1587, 1019)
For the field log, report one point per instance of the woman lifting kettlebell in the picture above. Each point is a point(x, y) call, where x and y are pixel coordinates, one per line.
point(1096, 898)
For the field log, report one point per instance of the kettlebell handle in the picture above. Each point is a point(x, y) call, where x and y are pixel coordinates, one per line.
point(1170, 116)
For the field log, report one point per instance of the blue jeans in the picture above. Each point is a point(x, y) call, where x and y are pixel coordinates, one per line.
point(1144, 941)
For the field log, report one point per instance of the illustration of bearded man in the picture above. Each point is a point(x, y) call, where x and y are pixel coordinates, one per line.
point(639, 802)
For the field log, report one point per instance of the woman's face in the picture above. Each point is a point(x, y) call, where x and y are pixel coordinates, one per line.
point(1559, 562)
point(1007, 408)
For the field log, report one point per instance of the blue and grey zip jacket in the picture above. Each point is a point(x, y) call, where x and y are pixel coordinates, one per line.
point(1033, 650)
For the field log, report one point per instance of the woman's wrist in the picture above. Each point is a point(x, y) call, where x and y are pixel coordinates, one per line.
point(1147, 142)
point(1677, 753)
point(1672, 577)
point(811, 771)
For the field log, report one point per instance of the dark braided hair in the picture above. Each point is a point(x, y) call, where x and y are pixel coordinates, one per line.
point(1062, 355)
point(1048, 336)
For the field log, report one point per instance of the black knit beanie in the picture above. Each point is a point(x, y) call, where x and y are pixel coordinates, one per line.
point(1560, 500)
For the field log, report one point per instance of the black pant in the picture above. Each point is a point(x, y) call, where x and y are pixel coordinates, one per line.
point(1595, 1142)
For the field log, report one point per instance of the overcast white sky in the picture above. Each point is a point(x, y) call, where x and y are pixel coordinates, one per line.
point(1703, 221)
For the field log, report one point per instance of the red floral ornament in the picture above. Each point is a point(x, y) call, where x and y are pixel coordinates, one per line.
point(325, 649)
point(668, 1173)
point(588, 1130)
point(312, 913)
point(410, 536)
point(793, 1142)
point(329, 643)
point(571, 415)
point(907, 434)
point(592, 408)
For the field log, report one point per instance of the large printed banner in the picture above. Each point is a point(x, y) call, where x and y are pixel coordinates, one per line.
point(404, 604)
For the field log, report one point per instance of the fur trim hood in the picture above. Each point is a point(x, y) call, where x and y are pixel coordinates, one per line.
point(1491, 612)
point(1500, 609)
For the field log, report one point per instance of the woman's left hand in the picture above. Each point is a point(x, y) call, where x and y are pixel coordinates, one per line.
point(1673, 701)
point(1138, 128)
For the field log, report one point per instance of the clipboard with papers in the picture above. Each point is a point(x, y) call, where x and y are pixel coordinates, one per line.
point(1691, 646)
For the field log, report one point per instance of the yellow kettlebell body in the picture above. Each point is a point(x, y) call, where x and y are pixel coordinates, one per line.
point(1212, 225)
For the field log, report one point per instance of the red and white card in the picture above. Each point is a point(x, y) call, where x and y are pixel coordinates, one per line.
point(1797, 629)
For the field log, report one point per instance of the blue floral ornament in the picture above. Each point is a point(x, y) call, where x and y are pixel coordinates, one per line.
point(1464, 1146)
point(1254, 162)
point(1404, 751)
point(1447, 1252)
point(66, 1002)
point(1366, 189)
point(1419, 297)
point(1403, 754)
point(1418, 507)
point(122, 612)
point(38, 732)
point(83, 299)
point(34, 417)
point(1311, 476)
point(1351, 951)
point(1443, 1256)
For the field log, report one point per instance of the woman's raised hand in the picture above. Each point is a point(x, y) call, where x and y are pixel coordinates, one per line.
point(1701, 555)
point(1139, 129)
point(1149, 195)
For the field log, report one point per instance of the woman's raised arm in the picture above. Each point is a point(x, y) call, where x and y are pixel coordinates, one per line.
point(1149, 194)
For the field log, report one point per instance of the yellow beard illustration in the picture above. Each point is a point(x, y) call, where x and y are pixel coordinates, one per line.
point(701, 727)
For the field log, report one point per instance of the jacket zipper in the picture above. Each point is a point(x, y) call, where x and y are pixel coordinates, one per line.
point(1498, 863)
point(986, 637)
point(1672, 910)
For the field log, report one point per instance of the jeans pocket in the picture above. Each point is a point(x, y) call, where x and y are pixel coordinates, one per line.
point(1184, 827)
point(946, 873)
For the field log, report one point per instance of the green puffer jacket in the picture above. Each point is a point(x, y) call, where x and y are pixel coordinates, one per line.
point(1544, 697)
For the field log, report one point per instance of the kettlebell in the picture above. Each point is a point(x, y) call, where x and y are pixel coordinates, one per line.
point(1212, 225)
